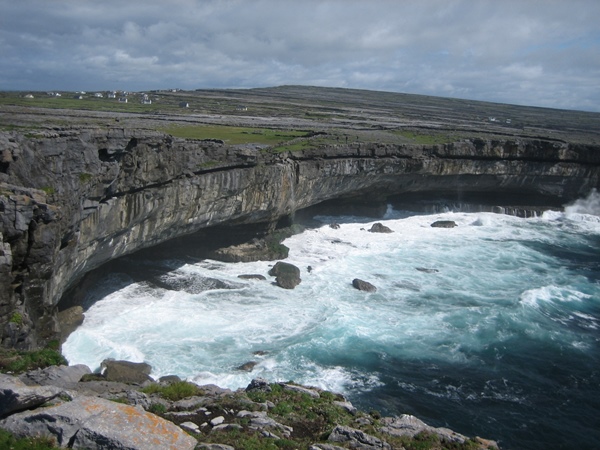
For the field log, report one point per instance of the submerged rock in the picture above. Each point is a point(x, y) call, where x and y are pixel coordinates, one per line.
point(252, 276)
point(363, 285)
point(444, 224)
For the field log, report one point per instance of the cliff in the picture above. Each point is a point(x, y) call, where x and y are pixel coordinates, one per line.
point(74, 198)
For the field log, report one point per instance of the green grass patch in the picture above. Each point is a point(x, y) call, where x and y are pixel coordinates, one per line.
point(424, 138)
point(233, 135)
point(85, 177)
point(8, 441)
point(174, 391)
point(19, 361)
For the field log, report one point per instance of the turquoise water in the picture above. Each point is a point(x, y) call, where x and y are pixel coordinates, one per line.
point(498, 337)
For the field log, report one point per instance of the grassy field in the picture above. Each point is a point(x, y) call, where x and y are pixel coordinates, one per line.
point(366, 116)
point(233, 135)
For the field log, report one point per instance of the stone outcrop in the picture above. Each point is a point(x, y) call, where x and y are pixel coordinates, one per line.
point(286, 275)
point(362, 285)
point(72, 199)
point(94, 423)
point(100, 415)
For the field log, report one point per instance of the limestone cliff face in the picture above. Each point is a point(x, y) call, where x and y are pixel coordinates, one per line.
point(74, 199)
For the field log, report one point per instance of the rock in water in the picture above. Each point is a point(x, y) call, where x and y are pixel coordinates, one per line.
point(444, 224)
point(363, 285)
point(287, 275)
point(94, 423)
point(380, 228)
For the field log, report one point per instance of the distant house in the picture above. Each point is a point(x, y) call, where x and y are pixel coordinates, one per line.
point(241, 108)
point(122, 99)
point(78, 97)
point(98, 95)
point(29, 96)
point(112, 95)
point(146, 101)
point(184, 105)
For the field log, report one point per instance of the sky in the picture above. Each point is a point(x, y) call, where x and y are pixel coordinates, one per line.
point(527, 52)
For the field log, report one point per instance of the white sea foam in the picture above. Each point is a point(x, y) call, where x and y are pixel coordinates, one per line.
point(443, 295)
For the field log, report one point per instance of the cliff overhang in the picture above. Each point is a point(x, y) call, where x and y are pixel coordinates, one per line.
point(73, 199)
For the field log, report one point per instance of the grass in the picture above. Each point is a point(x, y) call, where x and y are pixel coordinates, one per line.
point(8, 441)
point(233, 135)
point(174, 391)
point(19, 361)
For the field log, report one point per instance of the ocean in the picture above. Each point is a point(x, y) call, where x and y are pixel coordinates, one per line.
point(491, 328)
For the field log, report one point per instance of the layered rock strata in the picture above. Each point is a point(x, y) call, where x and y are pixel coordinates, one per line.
point(73, 199)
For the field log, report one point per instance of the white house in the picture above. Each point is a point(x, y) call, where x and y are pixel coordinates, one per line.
point(122, 99)
point(184, 105)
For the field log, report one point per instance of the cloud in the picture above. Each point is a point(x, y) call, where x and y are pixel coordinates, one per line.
point(544, 53)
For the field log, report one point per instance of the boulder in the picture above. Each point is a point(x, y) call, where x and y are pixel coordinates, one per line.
point(258, 384)
point(126, 371)
point(287, 275)
point(407, 425)
point(379, 228)
point(247, 367)
point(93, 423)
point(444, 224)
point(427, 270)
point(301, 389)
point(17, 396)
point(357, 439)
point(68, 320)
point(363, 285)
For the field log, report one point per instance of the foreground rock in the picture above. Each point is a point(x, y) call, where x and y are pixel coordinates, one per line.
point(126, 371)
point(362, 285)
point(155, 417)
point(287, 275)
point(17, 396)
point(93, 423)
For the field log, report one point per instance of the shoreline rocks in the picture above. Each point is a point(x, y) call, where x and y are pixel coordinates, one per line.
point(84, 417)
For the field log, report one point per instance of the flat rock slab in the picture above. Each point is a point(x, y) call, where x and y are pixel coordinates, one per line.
point(94, 424)
point(17, 396)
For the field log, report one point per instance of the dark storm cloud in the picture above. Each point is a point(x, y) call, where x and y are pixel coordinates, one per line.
point(542, 53)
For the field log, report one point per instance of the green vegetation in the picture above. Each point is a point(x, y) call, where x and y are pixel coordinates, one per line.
point(18, 361)
point(427, 138)
point(85, 177)
point(174, 391)
point(49, 190)
point(233, 135)
point(8, 441)
point(17, 318)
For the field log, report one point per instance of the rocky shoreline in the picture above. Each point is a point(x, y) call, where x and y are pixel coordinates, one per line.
point(124, 408)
